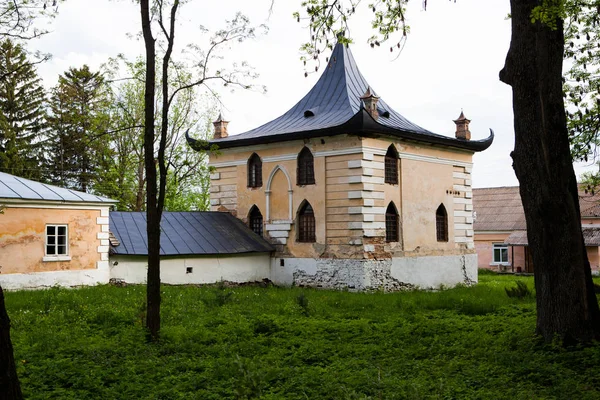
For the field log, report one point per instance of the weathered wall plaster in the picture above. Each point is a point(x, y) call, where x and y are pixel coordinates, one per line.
point(432, 272)
point(23, 240)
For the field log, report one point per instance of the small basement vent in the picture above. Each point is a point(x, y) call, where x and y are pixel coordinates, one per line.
point(189, 270)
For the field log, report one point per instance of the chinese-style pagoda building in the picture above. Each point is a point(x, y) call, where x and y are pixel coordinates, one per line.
point(352, 194)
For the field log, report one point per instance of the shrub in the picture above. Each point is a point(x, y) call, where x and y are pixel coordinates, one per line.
point(521, 291)
point(302, 301)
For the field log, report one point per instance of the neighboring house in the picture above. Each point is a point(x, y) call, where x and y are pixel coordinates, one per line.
point(352, 194)
point(501, 231)
point(51, 236)
point(196, 247)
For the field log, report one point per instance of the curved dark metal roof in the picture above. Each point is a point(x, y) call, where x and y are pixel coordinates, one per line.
point(334, 106)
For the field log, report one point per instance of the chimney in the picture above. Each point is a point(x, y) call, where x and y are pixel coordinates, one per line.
point(220, 128)
point(370, 102)
point(462, 127)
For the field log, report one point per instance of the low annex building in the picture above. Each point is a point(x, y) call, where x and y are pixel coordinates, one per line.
point(351, 193)
point(501, 230)
point(51, 236)
point(196, 248)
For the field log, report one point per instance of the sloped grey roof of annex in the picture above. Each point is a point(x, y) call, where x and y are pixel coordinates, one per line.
point(591, 236)
point(333, 106)
point(15, 188)
point(185, 233)
point(500, 208)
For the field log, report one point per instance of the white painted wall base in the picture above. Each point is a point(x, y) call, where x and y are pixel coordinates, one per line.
point(436, 271)
point(330, 273)
point(173, 270)
point(388, 275)
point(40, 280)
point(352, 274)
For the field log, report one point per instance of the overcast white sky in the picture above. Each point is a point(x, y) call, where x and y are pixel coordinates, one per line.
point(451, 61)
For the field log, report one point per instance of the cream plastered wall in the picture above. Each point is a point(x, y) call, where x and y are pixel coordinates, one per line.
point(429, 176)
point(350, 197)
point(208, 269)
point(23, 241)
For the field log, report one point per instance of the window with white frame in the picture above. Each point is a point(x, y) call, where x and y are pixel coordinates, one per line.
point(57, 242)
point(500, 253)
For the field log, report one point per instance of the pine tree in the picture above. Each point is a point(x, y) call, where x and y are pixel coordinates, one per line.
point(78, 121)
point(22, 116)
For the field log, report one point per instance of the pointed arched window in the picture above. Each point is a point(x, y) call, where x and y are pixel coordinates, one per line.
point(254, 171)
point(391, 223)
point(391, 165)
point(441, 224)
point(255, 220)
point(306, 223)
point(306, 168)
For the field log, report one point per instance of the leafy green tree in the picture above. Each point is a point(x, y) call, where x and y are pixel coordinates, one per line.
point(17, 17)
point(22, 115)
point(159, 18)
point(188, 177)
point(78, 152)
point(566, 303)
point(582, 79)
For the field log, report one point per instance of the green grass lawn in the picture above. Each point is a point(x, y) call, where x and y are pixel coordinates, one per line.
point(251, 342)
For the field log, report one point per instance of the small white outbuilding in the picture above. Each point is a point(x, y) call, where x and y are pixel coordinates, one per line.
point(196, 247)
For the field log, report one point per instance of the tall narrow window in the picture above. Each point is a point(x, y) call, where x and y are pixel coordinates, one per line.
point(306, 168)
point(306, 223)
point(255, 220)
point(254, 171)
point(56, 240)
point(441, 224)
point(391, 166)
point(391, 223)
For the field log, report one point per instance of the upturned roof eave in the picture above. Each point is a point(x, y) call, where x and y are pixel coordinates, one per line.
point(361, 124)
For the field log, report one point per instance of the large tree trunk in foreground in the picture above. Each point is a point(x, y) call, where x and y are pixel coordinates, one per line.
point(566, 302)
point(10, 389)
point(152, 211)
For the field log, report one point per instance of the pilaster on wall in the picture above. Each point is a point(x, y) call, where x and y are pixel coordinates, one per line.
point(463, 206)
point(103, 236)
point(355, 208)
point(223, 189)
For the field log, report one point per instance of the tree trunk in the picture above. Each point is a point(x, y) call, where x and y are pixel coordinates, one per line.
point(566, 303)
point(139, 197)
point(152, 211)
point(10, 389)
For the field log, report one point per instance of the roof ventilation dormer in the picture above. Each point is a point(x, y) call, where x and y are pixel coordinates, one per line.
point(220, 128)
point(370, 102)
point(462, 127)
point(310, 112)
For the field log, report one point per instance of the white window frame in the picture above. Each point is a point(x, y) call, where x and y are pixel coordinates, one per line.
point(500, 246)
point(56, 257)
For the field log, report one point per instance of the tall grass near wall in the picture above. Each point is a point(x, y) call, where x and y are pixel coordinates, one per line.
point(223, 342)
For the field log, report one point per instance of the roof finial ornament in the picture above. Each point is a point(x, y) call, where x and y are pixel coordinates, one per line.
point(462, 127)
point(220, 127)
point(370, 103)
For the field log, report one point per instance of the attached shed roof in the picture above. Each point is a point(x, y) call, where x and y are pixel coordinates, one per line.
point(333, 106)
point(500, 208)
point(591, 236)
point(186, 233)
point(13, 187)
